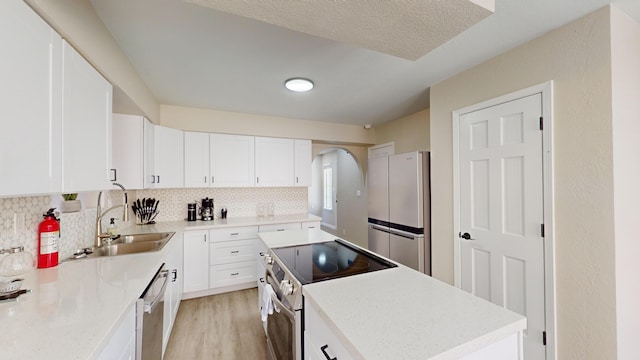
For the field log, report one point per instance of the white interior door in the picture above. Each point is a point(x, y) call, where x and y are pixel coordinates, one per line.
point(501, 211)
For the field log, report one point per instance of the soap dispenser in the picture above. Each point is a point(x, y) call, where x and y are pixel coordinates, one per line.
point(112, 229)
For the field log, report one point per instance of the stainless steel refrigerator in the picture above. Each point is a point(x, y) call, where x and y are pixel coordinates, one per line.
point(399, 209)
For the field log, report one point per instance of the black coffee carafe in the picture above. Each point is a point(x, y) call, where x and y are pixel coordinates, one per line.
point(192, 212)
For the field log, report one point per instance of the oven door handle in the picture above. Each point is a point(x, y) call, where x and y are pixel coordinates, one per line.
point(290, 314)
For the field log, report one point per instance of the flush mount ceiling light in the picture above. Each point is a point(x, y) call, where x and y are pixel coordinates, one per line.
point(299, 84)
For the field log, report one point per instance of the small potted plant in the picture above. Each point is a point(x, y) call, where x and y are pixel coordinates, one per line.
point(70, 203)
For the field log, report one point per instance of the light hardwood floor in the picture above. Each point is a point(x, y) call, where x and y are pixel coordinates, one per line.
point(225, 326)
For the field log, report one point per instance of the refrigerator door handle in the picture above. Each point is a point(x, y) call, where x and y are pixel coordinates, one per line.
point(380, 228)
point(405, 234)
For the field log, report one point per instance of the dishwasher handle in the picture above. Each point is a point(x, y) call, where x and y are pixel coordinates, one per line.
point(149, 306)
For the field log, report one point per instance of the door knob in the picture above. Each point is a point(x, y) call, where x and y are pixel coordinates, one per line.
point(465, 236)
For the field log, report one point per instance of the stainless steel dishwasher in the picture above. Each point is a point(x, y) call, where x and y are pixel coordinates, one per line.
point(149, 318)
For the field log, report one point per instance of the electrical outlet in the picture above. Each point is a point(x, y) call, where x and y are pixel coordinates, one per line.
point(357, 193)
point(19, 225)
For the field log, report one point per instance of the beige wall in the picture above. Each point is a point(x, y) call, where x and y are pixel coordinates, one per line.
point(576, 57)
point(195, 119)
point(625, 55)
point(79, 24)
point(352, 208)
point(409, 133)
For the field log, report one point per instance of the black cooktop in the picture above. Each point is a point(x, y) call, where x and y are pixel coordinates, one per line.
point(311, 263)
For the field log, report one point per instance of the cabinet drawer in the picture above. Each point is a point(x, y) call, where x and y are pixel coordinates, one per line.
point(311, 225)
point(239, 233)
point(319, 338)
point(279, 227)
point(232, 251)
point(232, 274)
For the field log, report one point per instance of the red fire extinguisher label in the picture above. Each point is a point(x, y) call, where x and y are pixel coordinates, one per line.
point(49, 242)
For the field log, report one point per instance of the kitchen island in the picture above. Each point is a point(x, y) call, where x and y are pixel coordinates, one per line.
point(399, 313)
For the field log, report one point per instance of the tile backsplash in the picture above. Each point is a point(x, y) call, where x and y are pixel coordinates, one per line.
point(240, 202)
point(77, 229)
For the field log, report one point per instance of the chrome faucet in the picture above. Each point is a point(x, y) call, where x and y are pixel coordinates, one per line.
point(100, 214)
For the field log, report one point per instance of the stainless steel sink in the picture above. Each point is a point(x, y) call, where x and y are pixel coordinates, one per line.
point(132, 248)
point(129, 244)
point(138, 238)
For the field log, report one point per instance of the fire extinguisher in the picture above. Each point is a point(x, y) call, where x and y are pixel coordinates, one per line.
point(48, 238)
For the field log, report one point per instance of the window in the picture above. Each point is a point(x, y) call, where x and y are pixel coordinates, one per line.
point(328, 188)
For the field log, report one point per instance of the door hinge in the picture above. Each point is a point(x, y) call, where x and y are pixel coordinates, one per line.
point(541, 123)
point(541, 230)
point(544, 338)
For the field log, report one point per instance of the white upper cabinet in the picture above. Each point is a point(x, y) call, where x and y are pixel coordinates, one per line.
point(86, 129)
point(302, 155)
point(147, 150)
point(168, 158)
point(86, 125)
point(30, 103)
point(274, 162)
point(128, 150)
point(232, 160)
point(196, 159)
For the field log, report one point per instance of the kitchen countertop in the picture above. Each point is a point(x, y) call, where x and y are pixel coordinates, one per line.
point(74, 308)
point(401, 313)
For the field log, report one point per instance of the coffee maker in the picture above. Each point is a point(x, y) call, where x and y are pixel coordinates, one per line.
point(206, 209)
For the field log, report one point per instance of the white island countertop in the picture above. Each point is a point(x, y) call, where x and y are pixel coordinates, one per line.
point(400, 313)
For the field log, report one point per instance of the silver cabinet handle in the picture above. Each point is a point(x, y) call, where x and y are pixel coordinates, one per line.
point(235, 274)
point(235, 251)
point(235, 234)
point(115, 175)
point(205, 237)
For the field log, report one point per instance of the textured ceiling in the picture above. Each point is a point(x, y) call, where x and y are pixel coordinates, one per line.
point(194, 56)
point(404, 28)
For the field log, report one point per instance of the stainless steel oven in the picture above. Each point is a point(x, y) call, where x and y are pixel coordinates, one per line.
point(288, 269)
point(283, 326)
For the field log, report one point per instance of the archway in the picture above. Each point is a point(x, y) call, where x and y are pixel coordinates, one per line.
point(338, 193)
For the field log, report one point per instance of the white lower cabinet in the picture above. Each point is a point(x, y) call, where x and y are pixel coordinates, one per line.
point(122, 345)
point(196, 260)
point(280, 227)
point(232, 274)
point(311, 225)
point(319, 341)
point(173, 294)
point(232, 256)
point(227, 258)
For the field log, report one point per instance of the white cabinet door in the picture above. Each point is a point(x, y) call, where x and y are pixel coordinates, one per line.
point(303, 160)
point(122, 344)
point(168, 158)
point(274, 162)
point(280, 227)
point(128, 150)
point(86, 129)
point(173, 294)
point(149, 176)
point(196, 261)
point(30, 103)
point(320, 341)
point(196, 159)
point(311, 225)
point(232, 160)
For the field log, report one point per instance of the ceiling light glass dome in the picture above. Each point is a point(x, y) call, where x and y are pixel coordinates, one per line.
point(299, 84)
